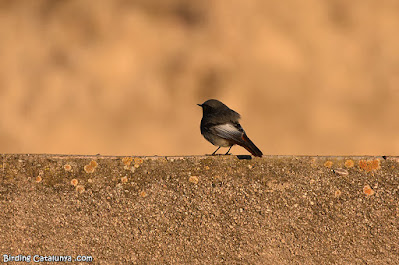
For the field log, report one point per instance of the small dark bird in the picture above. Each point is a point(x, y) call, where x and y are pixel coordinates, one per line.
point(220, 126)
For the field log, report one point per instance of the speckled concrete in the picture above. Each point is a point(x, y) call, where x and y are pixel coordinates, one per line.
point(201, 210)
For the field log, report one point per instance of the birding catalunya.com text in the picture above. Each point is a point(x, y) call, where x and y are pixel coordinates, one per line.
point(42, 258)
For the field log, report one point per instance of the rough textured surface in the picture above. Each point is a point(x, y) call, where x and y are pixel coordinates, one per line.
point(197, 210)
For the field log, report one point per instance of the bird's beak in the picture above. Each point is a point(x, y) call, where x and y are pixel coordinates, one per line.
point(199, 105)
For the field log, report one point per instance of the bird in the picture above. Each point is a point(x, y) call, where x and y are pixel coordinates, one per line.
point(220, 126)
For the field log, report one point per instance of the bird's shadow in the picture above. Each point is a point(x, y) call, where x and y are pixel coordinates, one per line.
point(244, 157)
point(240, 157)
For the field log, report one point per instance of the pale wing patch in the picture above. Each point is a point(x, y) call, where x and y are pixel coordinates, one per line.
point(228, 131)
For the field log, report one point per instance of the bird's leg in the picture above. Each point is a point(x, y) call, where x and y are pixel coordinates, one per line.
point(215, 151)
point(228, 150)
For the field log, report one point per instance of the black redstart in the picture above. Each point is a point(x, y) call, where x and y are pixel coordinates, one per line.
point(220, 126)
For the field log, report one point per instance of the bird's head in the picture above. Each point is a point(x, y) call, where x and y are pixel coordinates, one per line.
point(212, 105)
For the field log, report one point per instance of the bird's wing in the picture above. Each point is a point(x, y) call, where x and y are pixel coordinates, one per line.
point(230, 131)
point(235, 134)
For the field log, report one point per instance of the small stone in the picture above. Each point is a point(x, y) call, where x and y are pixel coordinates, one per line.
point(124, 179)
point(341, 171)
point(368, 190)
point(67, 167)
point(369, 165)
point(90, 167)
point(74, 182)
point(127, 161)
point(193, 179)
point(138, 161)
point(80, 188)
point(349, 163)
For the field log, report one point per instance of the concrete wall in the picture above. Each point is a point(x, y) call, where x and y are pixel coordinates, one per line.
point(201, 210)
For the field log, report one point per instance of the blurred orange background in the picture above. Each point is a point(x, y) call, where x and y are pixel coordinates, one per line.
point(123, 77)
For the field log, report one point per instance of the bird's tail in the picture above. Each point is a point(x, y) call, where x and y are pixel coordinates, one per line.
point(250, 146)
